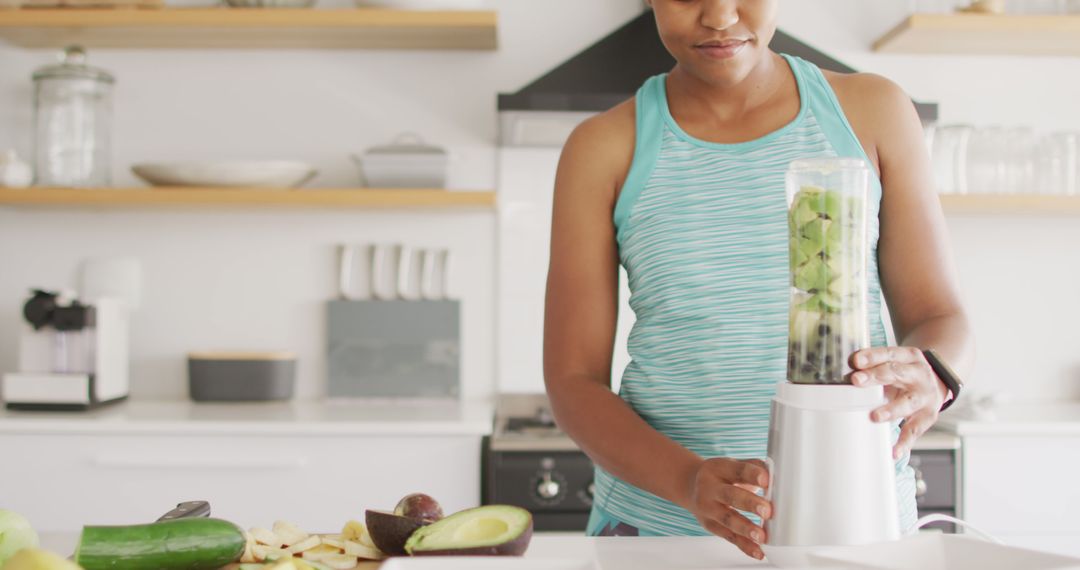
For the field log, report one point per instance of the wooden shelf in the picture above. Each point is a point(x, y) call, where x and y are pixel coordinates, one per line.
point(193, 28)
point(989, 34)
point(245, 197)
point(1010, 204)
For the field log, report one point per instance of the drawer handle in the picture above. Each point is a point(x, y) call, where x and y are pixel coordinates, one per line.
point(121, 462)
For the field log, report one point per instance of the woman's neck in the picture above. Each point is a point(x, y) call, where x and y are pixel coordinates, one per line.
point(700, 99)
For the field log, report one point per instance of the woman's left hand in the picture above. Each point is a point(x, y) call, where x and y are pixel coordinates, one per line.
point(914, 392)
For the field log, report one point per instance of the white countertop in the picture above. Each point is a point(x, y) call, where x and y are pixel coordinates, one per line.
point(610, 553)
point(298, 418)
point(1028, 418)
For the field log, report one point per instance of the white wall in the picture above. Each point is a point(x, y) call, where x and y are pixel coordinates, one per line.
point(1018, 275)
point(258, 279)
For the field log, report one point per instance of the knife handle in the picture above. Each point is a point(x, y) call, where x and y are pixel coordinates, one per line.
point(187, 509)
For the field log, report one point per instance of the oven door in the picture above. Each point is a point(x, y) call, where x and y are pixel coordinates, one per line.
point(555, 486)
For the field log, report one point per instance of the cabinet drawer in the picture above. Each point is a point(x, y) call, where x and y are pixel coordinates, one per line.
point(1022, 485)
point(63, 482)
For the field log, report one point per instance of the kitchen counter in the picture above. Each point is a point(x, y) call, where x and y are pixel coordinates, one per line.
point(1032, 418)
point(614, 553)
point(298, 418)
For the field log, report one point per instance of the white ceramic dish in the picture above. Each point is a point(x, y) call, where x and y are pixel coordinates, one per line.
point(233, 173)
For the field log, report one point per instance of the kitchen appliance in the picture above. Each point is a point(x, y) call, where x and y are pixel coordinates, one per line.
point(241, 376)
point(529, 462)
point(72, 122)
point(72, 356)
point(227, 173)
point(833, 479)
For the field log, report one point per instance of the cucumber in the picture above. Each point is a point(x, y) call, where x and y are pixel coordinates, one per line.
point(179, 544)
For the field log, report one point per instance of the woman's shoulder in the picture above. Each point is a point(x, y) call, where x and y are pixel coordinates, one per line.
point(604, 144)
point(875, 106)
point(613, 127)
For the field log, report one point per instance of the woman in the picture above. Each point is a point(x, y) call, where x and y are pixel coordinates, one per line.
point(683, 185)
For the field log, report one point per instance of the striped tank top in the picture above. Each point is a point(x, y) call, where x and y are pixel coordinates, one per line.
point(702, 232)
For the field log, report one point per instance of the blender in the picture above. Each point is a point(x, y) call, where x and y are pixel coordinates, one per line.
point(832, 474)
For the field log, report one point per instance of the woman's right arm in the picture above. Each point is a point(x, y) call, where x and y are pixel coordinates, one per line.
point(579, 334)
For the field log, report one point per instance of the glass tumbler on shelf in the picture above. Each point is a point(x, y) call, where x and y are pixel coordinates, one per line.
point(827, 224)
point(72, 122)
point(949, 158)
point(1059, 163)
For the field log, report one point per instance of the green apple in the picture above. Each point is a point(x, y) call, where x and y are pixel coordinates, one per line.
point(37, 559)
point(812, 275)
point(15, 534)
point(812, 236)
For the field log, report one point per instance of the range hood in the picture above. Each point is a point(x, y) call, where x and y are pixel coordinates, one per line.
point(610, 71)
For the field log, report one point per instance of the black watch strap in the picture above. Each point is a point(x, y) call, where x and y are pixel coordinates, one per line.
point(946, 374)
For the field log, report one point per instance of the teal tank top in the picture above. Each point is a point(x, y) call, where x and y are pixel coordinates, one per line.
point(702, 232)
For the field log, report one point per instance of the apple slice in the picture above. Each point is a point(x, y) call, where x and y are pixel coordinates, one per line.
point(264, 553)
point(353, 548)
point(353, 530)
point(267, 537)
point(339, 561)
point(306, 544)
point(289, 533)
point(334, 540)
point(319, 552)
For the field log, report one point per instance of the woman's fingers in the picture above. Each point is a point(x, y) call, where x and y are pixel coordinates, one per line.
point(747, 545)
point(744, 500)
point(913, 428)
point(871, 357)
point(902, 406)
point(887, 374)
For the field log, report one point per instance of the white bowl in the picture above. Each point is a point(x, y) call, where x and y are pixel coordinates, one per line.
point(233, 173)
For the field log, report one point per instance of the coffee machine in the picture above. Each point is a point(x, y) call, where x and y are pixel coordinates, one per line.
point(833, 479)
point(72, 356)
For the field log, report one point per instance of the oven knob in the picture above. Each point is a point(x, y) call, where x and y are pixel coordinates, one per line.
point(920, 484)
point(548, 488)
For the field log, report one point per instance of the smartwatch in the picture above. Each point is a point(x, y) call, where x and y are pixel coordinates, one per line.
point(945, 374)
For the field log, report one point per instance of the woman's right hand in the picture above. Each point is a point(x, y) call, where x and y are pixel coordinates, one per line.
point(722, 487)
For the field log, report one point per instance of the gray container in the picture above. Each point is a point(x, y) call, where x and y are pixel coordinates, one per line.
point(393, 349)
point(241, 376)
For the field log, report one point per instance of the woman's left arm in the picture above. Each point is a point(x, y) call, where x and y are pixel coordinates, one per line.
point(917, 273)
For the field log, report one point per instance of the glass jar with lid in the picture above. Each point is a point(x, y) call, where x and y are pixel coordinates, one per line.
point(72, 122)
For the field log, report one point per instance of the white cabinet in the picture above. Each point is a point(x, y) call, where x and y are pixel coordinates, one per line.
point(61, 482)
point(1022, 488)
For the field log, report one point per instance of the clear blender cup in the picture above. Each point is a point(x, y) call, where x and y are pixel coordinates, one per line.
point(827, 221)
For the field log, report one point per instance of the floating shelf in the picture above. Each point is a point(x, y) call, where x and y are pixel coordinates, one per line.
point(193, 28)
point(989, 34)
point(245, 197)
point(1010, 204)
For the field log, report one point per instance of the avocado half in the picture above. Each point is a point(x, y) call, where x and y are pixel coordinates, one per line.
point(389, 531)
point(492, 530)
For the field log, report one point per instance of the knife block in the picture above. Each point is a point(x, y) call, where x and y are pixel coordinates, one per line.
point(393, 349)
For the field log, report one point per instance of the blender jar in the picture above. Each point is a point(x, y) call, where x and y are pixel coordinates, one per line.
point(72, 116)
point(827, 221)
